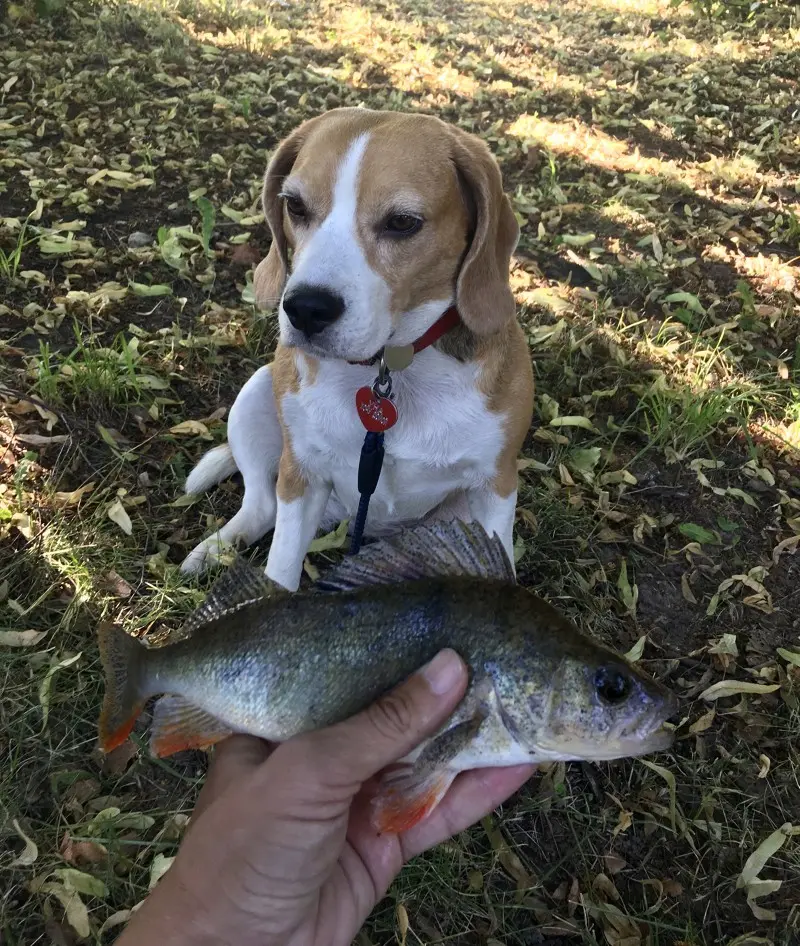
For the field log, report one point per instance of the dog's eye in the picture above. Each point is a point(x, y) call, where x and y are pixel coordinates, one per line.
point(295, 206)
point(402, 224)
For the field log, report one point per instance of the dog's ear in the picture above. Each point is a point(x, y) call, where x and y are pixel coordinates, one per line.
point(271, 272)
point(483, 293)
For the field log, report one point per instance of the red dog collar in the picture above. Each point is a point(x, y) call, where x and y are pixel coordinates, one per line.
point(404, 353)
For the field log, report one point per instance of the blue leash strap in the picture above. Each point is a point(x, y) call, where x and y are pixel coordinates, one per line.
point(369, 472)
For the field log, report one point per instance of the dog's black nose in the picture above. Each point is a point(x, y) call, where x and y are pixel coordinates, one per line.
point(310, 310)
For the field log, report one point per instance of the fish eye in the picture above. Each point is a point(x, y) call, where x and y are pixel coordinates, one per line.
point(612, 686)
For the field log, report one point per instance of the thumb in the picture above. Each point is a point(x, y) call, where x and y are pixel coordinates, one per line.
point(358, 748)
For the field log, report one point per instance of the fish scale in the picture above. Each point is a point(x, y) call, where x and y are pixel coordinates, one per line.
point(276, 665)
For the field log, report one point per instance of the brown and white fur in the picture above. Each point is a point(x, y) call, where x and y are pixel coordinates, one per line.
point(464, 404)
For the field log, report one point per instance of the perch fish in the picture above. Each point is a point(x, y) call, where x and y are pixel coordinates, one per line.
point(278, 665)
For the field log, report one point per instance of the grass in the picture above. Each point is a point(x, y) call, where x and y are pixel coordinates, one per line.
point(652, 158)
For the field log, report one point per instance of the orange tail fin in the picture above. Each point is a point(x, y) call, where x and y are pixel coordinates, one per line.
point(123, 659)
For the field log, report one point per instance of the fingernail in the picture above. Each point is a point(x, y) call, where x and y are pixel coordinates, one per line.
point(443, 672)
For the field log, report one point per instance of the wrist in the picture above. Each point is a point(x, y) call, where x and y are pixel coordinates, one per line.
point(170, 917)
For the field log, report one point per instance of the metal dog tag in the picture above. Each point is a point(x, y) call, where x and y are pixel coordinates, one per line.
point(398, 358)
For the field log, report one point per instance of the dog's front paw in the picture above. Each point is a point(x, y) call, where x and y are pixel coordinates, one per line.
point(207, 554)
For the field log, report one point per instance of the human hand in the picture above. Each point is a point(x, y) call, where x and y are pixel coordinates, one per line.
point(280, 850)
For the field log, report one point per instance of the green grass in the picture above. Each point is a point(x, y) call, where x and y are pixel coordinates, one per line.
point(11, 259)
point(662, 462)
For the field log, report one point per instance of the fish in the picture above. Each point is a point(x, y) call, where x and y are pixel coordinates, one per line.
point(277, 665)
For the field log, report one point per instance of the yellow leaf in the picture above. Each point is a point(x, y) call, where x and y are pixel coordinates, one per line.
point(635, 653)
point(22, 523)
point(686, 589)
point(546, 298)
point(669, 778)
point(732, 687)
point(572, 420)
point(629, 594)
point(116, 919)
point(190, 428)
point(767, 849)
point(526, 463)
point(116, 513)
point(72, 498)
point(158, 868)
point(790, 655)
point(74, 907)
point(21, 638)
point(30, 852)
point(550, 436)
point(787, 545)
point(618, 476)
point(81, 882)
point(402, 922)
point(46, 684)
point(702, 723)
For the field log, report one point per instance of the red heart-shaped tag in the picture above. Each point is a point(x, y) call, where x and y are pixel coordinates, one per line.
point(376, 413)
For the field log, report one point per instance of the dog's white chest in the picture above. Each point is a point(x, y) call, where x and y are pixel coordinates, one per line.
point(446, 438)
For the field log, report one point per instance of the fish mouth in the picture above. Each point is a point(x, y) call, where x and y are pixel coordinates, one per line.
point(657, 741)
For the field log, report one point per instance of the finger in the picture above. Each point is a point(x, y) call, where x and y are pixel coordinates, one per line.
point(233, 760)
point(356, 749)
point(473, 795)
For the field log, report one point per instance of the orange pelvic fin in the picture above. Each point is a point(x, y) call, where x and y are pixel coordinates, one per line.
point(405, 797)
point(179, 725)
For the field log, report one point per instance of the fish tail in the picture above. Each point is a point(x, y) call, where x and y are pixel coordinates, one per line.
point(123, 658)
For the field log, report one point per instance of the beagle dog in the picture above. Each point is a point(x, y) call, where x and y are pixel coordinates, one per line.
point(381, 223)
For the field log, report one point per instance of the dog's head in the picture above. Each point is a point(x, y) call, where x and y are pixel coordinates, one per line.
point(380, 221)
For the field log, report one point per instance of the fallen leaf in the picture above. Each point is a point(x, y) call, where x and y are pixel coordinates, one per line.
point(686, 590)
point(116, 513)
point(192, 428)
point(401, 914)
point(116, 584)
point(72, 498)
point(572, 420)
point(333, 540)
point(46, 685)
point(141, 289)
point(21, 638)
point(116, 919)
point(669, 778)
point(509, 861)
point(82, 852)
point(702, 723)
point(614, 863)
point(160, 865)
point(696, 533)
point(78, 880)
point(39, 440)
point(787, 545)
point(635, 653)
point(770, 846)
point(118, 760)
point(792, 656)
point(22, 523)
point(29, 853)
point(629, 594)
point(731, 687)
point(74, 908)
